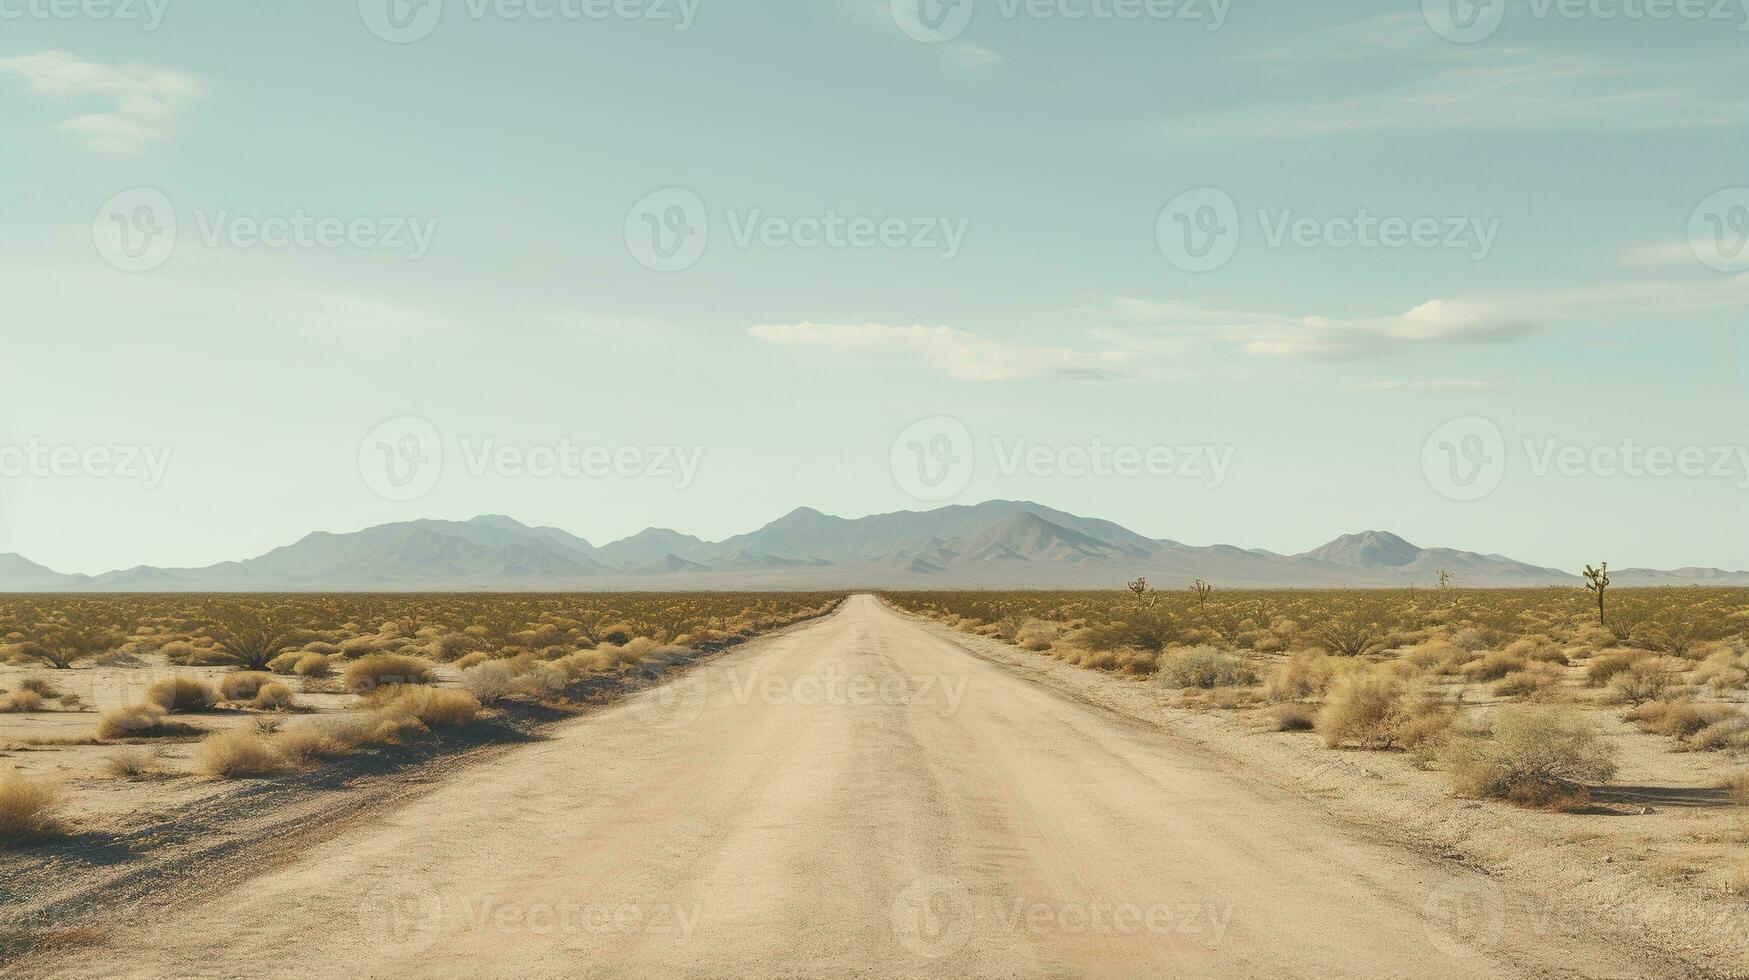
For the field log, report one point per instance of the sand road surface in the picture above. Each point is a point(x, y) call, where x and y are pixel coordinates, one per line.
point(857, 797)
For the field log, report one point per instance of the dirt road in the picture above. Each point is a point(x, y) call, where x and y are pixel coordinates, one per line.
point(858, 797)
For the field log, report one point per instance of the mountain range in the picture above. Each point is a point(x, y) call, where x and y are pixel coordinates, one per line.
point(997, 544)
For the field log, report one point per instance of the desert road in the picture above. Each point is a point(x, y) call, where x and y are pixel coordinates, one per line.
point(856, 797)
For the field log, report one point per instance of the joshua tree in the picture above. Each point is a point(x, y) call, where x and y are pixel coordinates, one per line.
point(1140, 588)
point(1597, 581)
point(1203, 590)
point(1445, 578)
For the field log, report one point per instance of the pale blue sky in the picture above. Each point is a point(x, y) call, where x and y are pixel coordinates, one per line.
point(1060, 320)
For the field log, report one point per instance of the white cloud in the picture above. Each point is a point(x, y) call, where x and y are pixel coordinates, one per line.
point(956, 353)
point(146, 104)
point(1325, 337)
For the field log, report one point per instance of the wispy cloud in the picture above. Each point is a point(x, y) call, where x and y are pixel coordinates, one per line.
point(145, 104)
point(1179, 329)
point(1326, 337)
point(955, 353)
point(1423, 82)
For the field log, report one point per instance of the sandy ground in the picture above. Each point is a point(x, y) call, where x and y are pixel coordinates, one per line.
point(857, 797)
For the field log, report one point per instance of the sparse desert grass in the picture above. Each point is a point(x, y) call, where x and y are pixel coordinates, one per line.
point(309, 743)
point(182, 693)
point(231, 755)
point(140, 721)
point(273, 696)
point(1539, 680)
point(20, 701)
point(1295, 718)
point(1203, 667)
point(1307, 675)
point(131, 763)
point(243, 685)
point(27, 809)
point(42, 687)
point(1375, 710)
point(1532, 756)
point(380, 670)
point(1738, 788)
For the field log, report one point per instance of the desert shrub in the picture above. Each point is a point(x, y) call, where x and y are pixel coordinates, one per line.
point(490, 681)
point(20, 701)
point(1602, 668)
point(40, 686)
point(1678, 719)
point(274, 696)
point(1036, 636)
point(1439, 654)
point(1295, 718)
point(307, 744)
point(380, 670)
point(313, 665)
point(435, 707)
point(1537, 681)
point(27, 809)
point(1307, 675)
point(472, 659)
point(1645, 679)
point(1379, 711)
point(182, 693)
point(242, 686)
point(449, 646)
point(285, 663)
point(131, 763)
point(1728, 733)
point(1738, 788)
point(1532, 756)
point(1203, 667)
point(1493, 666)
point(229, 755)
point(1722, 672)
